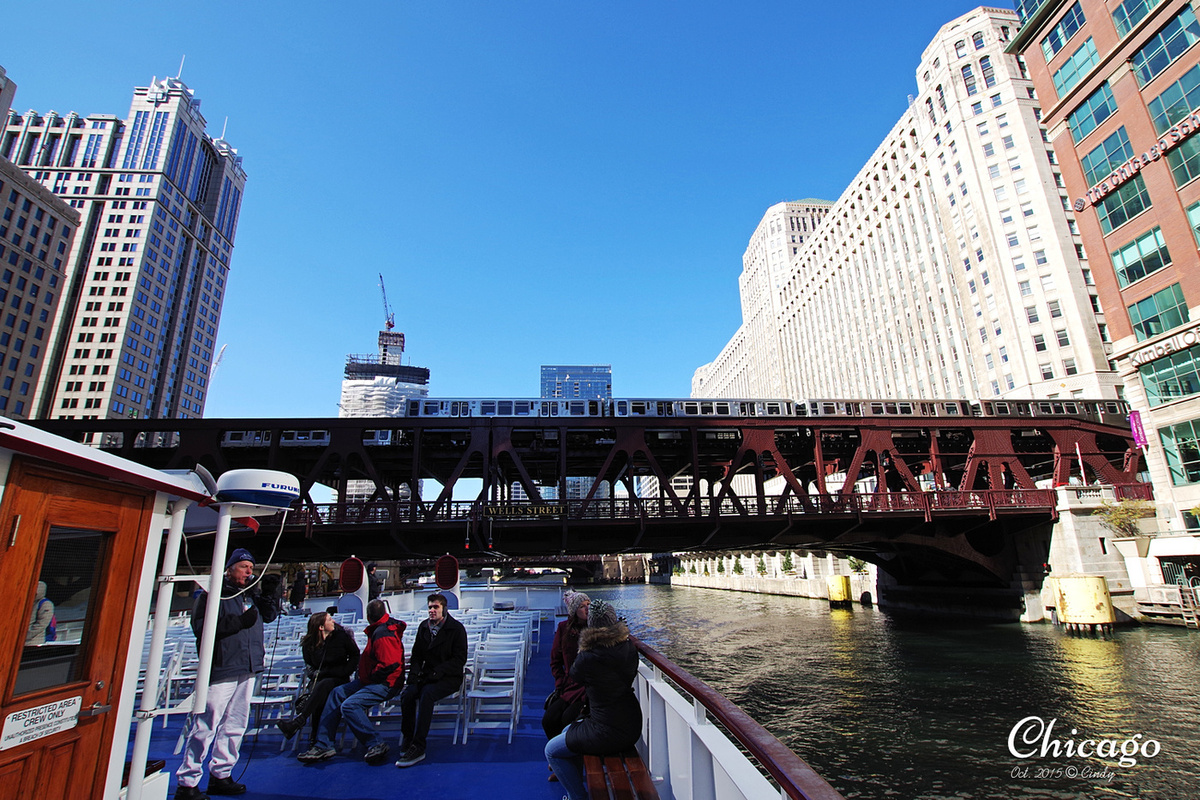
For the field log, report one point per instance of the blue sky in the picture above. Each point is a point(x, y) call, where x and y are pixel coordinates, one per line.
point(539, 181)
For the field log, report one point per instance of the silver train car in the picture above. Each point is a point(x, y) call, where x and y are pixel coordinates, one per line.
point(1110, 412)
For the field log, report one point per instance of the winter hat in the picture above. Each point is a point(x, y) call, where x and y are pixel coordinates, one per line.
point(601, 614)
point(574, 602)
point(241, 554)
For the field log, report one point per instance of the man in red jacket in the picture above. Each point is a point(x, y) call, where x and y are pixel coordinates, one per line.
point(380, 677)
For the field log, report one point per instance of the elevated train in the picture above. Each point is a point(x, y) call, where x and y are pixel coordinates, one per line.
point(1110, 412)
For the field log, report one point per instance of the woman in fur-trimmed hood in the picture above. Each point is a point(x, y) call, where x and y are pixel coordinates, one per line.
point(606, 667)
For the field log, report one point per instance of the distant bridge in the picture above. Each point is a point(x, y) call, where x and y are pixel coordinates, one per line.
point(928, 499)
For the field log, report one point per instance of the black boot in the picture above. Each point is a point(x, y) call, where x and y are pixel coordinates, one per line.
point(189, 793)
point(288, 727)
point(224, 786)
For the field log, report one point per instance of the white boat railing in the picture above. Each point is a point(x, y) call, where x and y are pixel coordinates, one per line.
point(691, 758)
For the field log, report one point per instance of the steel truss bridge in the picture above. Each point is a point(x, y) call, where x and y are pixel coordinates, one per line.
point(955, 501)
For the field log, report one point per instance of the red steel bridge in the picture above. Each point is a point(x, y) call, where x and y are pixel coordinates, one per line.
point(959, 500)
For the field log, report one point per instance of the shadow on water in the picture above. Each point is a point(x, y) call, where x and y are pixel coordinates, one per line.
point(887, 706)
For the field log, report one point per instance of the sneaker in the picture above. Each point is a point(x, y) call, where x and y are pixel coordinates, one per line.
point(288, 727)
point(189, 793)
point(316, 753)
point(377, 753)
point(413, 755)
point(226, 785)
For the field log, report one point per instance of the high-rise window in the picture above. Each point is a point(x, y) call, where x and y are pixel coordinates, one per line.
point(1075, 67)
point(1098, 107)
point(987, 72)
point(968, 77)
point(1161, 50)
point(1158, 313)
point(1062, 32)
point(1130, 13)
point(1143, 256)
point(1173, 377)
point(1181, 446)
point(1123, 205)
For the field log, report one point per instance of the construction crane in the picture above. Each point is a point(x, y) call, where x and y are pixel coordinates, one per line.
point(387, 339)
point(389, 318)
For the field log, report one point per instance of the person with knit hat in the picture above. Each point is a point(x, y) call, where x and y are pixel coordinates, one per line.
point(606, 667)
point(238, 654)
point(567, 701)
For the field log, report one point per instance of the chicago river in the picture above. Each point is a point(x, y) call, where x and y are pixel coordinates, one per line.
point(886, 706)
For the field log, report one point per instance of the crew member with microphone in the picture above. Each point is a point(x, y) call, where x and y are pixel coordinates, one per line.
point(238, 654)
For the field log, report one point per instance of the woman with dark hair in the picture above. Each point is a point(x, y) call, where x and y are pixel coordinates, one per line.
point(332, 656)
point(606, 667)
point(567, 701)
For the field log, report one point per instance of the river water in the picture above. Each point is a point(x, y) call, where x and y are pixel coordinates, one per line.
point(891, 707)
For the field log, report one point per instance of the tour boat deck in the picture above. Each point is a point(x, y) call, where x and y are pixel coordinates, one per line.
point(486, 766)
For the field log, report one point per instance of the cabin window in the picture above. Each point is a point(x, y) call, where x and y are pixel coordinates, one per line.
point(71, 572)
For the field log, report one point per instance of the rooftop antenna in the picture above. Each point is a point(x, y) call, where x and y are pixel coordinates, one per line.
point(179, 74)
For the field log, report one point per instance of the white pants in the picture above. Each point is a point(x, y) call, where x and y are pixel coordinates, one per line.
point(221, 726)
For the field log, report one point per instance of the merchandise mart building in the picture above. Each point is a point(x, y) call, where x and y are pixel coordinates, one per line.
point(950, 267)
point(1119, 84)
point(146, 278)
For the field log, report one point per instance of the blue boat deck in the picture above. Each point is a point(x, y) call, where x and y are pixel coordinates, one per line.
point(486, 766)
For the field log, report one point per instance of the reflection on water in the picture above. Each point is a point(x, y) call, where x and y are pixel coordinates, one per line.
point(889, 707)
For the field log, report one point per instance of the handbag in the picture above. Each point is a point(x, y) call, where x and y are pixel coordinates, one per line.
point(550, 699)
point(304, 693)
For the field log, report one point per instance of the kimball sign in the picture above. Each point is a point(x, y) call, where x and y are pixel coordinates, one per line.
point(1167, 142)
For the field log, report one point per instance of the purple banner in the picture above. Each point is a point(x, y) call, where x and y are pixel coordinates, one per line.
point(1139, 433)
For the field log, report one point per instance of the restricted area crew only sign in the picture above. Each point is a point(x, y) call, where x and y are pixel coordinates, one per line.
point(21, 727)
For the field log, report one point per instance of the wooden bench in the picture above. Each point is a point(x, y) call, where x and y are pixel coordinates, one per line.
point(619, 777)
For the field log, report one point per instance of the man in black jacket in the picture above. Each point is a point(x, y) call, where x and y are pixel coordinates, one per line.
point(238, 654)
point(439, 657)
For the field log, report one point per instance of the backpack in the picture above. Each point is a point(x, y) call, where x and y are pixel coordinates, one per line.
point(52, 628)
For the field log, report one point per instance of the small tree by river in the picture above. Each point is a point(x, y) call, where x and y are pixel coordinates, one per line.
point(762, 566)
point(737, 565)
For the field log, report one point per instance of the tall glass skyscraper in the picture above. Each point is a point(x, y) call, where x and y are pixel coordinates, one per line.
point(583, 382)
point(145, 279)
point(587, 382)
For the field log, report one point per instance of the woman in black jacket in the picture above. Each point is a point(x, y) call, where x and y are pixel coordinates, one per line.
point(332, 656)
point(606, 666)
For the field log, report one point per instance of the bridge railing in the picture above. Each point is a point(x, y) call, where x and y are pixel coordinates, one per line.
point(926, 503)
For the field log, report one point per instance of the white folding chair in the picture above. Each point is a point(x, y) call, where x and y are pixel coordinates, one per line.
point(494, 699)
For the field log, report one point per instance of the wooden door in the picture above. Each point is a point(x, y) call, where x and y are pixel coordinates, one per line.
point(84, 539)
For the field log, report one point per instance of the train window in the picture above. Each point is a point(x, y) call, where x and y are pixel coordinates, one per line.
point(576, 408)
point(524, 409)
point(906, 408)
point(691, 409)
point(854, 409)
point(550, 409)
point(721, 408)
point(622, 408)
point(706, 409)
point(1070, 408)
point(829, 408)
point(666, 409)
point(773, 409)
point(1002, 409)
point(876, 408)
point(430, 408)
point(638, 408)
point(593, 409)
point(414, 408)
point(487, 408)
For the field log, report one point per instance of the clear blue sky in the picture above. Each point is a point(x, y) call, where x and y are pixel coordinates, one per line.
point(539, 181)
